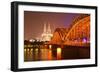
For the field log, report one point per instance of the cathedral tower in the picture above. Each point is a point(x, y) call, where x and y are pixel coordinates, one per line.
point(46, 35)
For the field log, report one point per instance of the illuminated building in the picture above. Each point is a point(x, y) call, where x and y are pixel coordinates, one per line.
point(47, 35)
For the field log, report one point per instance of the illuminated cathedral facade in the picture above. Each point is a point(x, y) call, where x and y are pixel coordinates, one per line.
point(47, 34)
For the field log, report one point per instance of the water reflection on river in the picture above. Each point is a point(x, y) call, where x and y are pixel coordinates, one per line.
point(55, 53)
point(38, 54)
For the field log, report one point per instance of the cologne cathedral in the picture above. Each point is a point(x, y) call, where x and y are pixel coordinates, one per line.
point(46, 35)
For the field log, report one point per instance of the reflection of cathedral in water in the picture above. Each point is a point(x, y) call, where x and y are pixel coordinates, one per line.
point(47, 35)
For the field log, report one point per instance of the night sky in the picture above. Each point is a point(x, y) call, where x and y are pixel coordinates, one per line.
point(34, 22)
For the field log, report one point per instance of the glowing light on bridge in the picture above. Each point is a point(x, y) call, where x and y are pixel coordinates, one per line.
point(50, 46)
point(84, 40)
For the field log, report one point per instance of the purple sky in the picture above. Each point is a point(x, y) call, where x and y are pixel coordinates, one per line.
point(34, 22)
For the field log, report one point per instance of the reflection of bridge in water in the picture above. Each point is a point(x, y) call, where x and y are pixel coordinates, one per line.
point(55, 52)
point(71, 43)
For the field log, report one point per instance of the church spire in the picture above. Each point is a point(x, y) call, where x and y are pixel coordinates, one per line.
point(46, 35)
point(44, 30)
point(49, 28)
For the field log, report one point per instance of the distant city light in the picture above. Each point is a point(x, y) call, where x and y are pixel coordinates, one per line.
point(31, 40)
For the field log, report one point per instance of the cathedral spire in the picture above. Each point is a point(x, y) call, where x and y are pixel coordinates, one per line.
point(49, 28)
point(44, 30)
point(46, 35)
